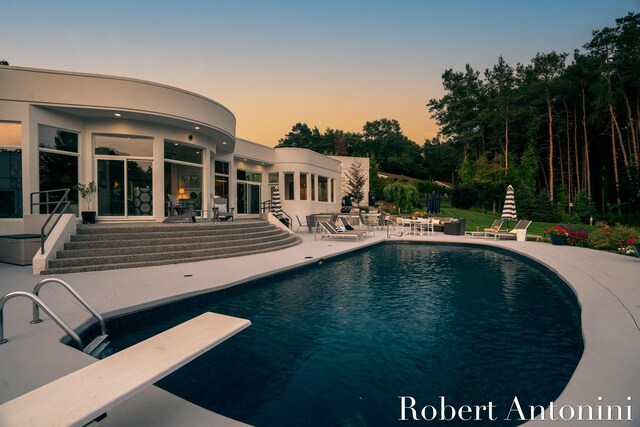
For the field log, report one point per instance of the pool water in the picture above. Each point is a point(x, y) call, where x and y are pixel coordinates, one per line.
point(336, 344)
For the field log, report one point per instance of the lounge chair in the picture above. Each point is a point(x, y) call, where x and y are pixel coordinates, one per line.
point(221, 211)
point(178, 212)
point(496, 227)
point(345, 226)
point(520, 230)
point(328, 230)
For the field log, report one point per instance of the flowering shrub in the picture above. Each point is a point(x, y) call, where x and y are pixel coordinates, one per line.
point(578, 236)
point(613, 238)
point(558, 230)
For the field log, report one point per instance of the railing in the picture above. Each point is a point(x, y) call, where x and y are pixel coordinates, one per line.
point(60, 207)
point(85, 304)
point(265, 207)
point(44, 307)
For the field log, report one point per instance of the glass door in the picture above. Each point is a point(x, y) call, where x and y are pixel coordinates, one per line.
point(248, 197)
point(111, 186)
point(125, 187)
point(139, 187)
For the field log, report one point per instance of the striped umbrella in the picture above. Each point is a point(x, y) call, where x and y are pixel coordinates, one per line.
point(276, 206)
point(509, 209)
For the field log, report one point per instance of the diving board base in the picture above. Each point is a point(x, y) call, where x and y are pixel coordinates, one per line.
point(84, 395)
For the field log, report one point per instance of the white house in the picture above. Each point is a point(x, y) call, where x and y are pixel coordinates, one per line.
point(140, 141)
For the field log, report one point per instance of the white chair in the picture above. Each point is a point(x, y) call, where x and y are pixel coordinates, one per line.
point(406, 225)
point(425, 226)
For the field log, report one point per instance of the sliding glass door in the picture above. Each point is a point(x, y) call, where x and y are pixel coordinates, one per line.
point(124, 167)
point(248, 198)
point(125, 187)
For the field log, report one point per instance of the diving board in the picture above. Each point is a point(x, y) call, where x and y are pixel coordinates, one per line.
point(84, 395)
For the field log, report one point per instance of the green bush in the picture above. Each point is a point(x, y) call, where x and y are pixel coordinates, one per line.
point(612, 238)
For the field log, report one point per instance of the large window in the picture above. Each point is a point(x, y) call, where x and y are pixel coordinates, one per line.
point(222, 179)
point(183, 173)
point(58, 164)
point(313, 187)
point(125, 175)
point(303, 185)
point(323, 189)
point(288, 186)
point(10, 170)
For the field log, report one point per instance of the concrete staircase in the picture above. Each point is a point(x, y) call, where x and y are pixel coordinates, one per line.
point(109, 247)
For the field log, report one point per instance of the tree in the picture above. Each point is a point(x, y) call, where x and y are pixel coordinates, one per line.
point(500, 85)
point(403, 194)
point(300, 136)
point(3, 62)
point(395, 152)
point(356, 180)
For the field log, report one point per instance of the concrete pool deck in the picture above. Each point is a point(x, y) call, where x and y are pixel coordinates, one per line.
point(607, 286)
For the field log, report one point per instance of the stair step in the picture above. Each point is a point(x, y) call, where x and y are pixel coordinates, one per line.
point(93, 345)
point(177, 245)
point(140, 235)
point(102, 267)
point(159, 227)
point(169, 240)
point(161, 256)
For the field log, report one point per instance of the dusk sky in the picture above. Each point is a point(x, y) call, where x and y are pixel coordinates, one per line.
point(334, 64)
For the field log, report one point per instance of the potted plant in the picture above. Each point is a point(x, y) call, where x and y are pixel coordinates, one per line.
point(635, 244)
point(86, 190)
point(558, 234)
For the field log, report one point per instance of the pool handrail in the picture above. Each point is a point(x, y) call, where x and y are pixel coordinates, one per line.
point(73, 292)
point(45, 308)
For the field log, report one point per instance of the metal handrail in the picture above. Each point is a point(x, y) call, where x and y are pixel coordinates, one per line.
point(266, 207)
point(44, 307)
point(394, 235)
point(59, 209)
point(85, 304)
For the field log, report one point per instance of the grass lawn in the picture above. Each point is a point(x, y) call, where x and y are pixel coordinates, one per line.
point(481, 220)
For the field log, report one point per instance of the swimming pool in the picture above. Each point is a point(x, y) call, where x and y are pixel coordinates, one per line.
point(337, 344)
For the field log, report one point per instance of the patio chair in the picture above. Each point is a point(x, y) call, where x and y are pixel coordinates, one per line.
point(383, 220)
point(221, 210)
point(329, 231)
point(300, 223)
point(367, 222)
point(425, 227)
point(519, 232)
point(177, 212)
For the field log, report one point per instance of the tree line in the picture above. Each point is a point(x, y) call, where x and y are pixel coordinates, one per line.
point(563, 129)
point(562, 125)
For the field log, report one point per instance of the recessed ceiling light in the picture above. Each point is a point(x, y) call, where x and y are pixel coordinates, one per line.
point(117, 114)
point(197, 152)
point(175, 143)
point(245, 160)
point(224, 143)
point(197, 127)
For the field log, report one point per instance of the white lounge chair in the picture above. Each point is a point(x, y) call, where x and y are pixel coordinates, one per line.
point(329, 231)
point(520, 230)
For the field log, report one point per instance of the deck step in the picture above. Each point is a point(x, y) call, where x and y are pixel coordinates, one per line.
point(82, 269)
point(108, 247)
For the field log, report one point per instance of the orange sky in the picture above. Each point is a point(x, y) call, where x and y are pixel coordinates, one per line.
point(332, 63)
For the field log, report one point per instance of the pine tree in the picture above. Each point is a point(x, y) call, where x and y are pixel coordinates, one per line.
point(356, 179)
